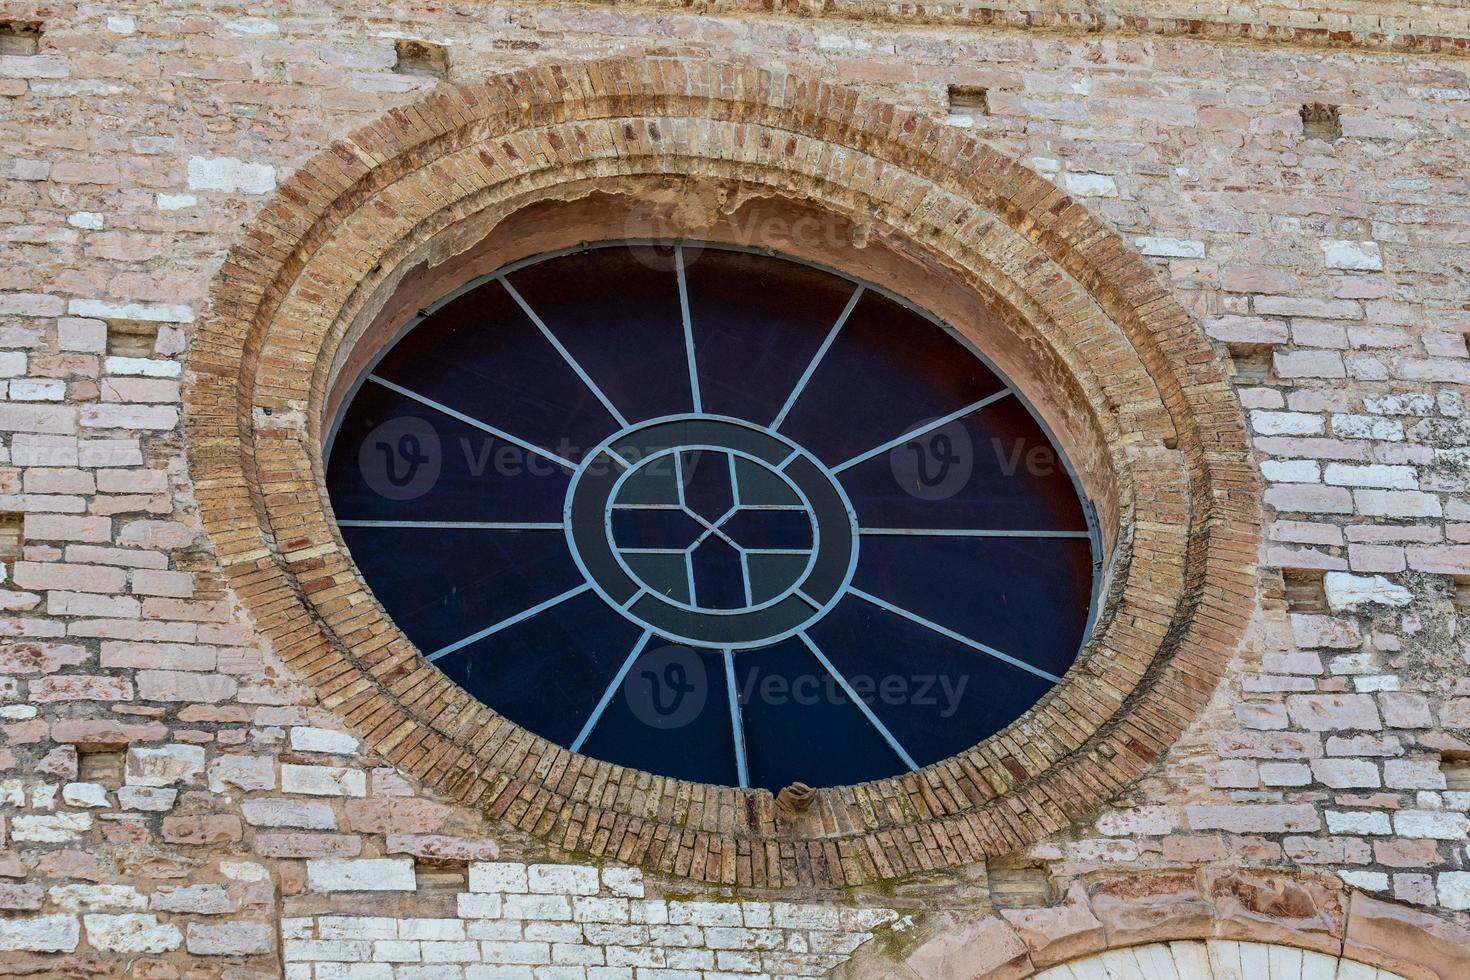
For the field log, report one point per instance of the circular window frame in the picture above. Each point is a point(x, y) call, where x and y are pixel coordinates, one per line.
point(325, 258)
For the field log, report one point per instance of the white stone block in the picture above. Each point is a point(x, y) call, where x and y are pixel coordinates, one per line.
point(1347, 591)
point(1170, 248)
point(131, 933)
point(562, 879)
point(498, 876)
point(304, 739)
point(1090, 185)
point(361, 874)
point(230, 174)
point(164, 766)
point(49, 828)
point(1361, 256)
point(41, 934)
point(103, 310)
point(323, 780)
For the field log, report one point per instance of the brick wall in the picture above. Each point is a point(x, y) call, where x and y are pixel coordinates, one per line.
point(173, 799)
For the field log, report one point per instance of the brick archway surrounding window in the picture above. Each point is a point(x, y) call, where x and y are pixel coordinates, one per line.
point(422, 182)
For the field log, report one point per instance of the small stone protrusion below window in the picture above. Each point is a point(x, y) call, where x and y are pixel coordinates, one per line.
point(104, 767)
point(1461, 596)
point(969, 100)
point(420, 58)
point(1305, 591)
point(11, 540)
point(1456, 769)
point(1251, 363)
point(1020, 887)
point(1321, 121)
point(19, 37)
point(131, 338)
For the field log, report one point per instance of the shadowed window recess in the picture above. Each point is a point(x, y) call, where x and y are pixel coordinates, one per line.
point(715, 514)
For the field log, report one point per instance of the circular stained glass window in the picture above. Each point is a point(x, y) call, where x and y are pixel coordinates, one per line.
point(714, 514)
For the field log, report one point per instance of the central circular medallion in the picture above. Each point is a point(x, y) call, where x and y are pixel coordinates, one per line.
point(711, 530)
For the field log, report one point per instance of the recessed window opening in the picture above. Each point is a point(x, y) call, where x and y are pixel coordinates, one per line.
point(20, 37)
point(1321, 121)
point(969, 100)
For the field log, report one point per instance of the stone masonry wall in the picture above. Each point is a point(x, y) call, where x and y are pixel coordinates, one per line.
point(173, 803)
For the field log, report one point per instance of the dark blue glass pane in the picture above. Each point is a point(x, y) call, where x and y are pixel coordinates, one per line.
point(547, 673)
point(719, 581)
point(395, 459)
point(800, 726)
point(1026, 597)
point(938, 697)
point(480, 356)
point(619, 315)
point(995, 469)
point(707, 488)
point(767, 529)
point(889, 371)
point(441, 585)
point(654, 527)
point(671, 715)
point(756, 321)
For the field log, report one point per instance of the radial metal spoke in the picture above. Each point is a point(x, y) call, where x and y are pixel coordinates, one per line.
point(688, 327)
point(737, 724)
point(565, 354)
point(460, 525)
point(811, 367)
point(511, 621)
point(862, 705)
point(608, 694)
point(942, 532)
point(922, 430)
point(957, 637)
point(474, 422)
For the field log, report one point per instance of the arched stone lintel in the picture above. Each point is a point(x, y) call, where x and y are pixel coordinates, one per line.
point(1147, 912)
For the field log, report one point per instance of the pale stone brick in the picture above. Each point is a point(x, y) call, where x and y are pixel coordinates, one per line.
point(1346, 773)
point(562, 879)
point(80, 334)
point(1413, 774)
point(230, 174)
point(229, 938)
point(323, 780)
point(360, 874)
point(1454, 889)
point(1432, 824)
point(49, 828)
point(1172, 248)
point(1314, 632)
point(301, 814)
point(1309, 364)
point(623, 882)
point(41, 934)
point(102, 310)
point(1396, 503)
point(498, 876)
point(1090, 185)
point(1310, 498)
point(1357, 256)
point(1347, 592)
point(1386, 477)
point(552, 907)
point(323, 740)
point(1333, 712)
point(1291, 471)
point(177, 685)
point(131, 932)
point(1286, 423)
point(165, 765)
point(1367, 427)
